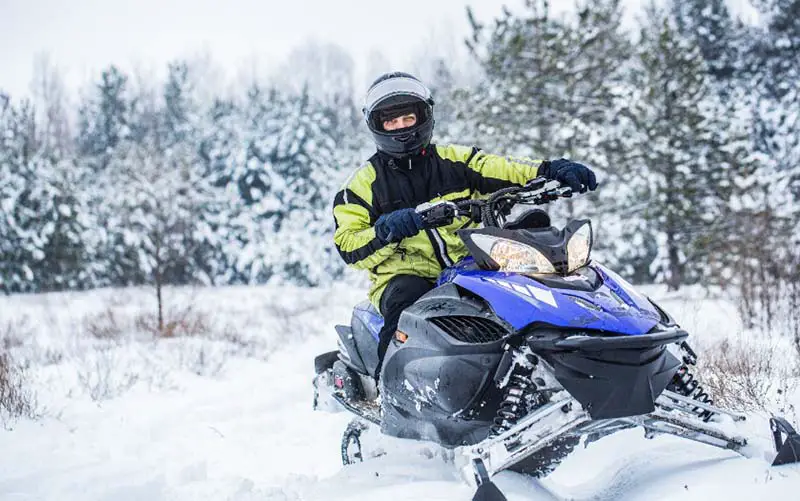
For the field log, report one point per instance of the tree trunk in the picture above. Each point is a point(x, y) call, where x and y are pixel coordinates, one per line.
point(160, 303)
point(675, 272)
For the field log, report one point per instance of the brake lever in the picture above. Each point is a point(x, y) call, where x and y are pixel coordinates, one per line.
point(437, 214)
point(550, 194)
point(564, 192)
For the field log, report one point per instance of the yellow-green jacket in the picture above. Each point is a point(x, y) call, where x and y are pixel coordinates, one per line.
point(384, 184)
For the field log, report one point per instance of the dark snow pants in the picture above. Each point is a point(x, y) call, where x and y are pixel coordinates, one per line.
point(401, 292)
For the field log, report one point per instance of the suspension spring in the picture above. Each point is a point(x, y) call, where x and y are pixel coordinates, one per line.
point(687, 385)
point(514, 405)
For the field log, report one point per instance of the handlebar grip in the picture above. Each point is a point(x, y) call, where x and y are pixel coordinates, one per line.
point(439, 214)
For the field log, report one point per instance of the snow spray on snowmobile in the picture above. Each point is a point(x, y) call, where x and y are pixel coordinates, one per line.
point(524, 347)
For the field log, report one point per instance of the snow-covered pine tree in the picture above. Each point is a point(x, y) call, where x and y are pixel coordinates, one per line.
point(222, 149)
point(284, 167)
point(107, 129)
point(769, 275)
point(105, 118)
point(521, 57)
point(554, 88)
point(179, 148)
point(42, 219)
point(15, 273)
point(304, 167)
point(717, 34)
point(775, 68)
point(158, 206)
point(692, 152)
point(161, 193)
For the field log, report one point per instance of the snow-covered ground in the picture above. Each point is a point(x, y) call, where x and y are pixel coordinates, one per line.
point(225, 414)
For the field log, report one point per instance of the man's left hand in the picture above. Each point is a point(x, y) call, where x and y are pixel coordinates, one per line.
point(576, 176)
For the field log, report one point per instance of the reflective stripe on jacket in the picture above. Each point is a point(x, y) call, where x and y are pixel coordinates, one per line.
point(384, 184)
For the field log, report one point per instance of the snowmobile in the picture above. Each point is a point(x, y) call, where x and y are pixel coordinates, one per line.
point(524, 346)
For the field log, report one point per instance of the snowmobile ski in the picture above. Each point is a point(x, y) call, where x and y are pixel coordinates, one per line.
point(789, 449)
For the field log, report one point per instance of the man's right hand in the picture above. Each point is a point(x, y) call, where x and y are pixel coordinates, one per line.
point(397, 225)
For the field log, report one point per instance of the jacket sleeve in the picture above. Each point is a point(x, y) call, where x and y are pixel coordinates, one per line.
point(488, 173)
point(354, 217)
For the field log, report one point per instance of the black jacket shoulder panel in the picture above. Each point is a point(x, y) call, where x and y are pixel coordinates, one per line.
point(403, 183)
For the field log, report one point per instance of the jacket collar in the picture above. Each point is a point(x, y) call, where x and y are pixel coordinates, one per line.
point(407, 163)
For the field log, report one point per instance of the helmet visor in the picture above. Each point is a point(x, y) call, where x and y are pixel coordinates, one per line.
point(400, 86)
point(382, 114)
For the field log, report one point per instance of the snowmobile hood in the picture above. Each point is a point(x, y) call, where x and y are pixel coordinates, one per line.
point(614, 306)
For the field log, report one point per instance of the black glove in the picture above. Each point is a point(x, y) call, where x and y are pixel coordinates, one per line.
point(397, 225)
point(576, 176)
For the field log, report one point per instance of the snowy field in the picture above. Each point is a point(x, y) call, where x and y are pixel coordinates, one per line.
point(223, 411)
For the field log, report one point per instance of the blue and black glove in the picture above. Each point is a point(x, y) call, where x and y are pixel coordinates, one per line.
point(397, 225)
point(576, 176)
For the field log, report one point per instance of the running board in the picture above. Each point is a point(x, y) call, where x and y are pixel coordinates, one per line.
point(672, 400)
point(559, 417)
point(687, 426)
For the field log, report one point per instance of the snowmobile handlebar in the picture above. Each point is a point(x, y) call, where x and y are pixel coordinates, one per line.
point(493, 210)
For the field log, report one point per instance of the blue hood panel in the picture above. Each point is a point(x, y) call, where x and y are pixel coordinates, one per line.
point(520, 300)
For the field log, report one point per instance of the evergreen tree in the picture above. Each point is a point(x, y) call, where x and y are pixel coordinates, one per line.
point(554, 87)
point(716, 33)
point(14, 268)
point(284, 166)
point(222, 149)
point(105, 118)
point(692, 153)
point(768, 275)
point(301, 159)
point(108, 130)
point(42, 224)
point(775, 67)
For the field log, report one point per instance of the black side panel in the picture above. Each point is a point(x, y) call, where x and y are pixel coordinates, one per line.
point(435, 386)
point(350, 355)
point(366, 344)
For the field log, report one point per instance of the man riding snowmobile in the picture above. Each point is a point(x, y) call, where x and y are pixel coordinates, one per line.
point(513, 344)
point(377, 226)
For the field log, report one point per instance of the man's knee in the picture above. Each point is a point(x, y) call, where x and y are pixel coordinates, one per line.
point(404, 290)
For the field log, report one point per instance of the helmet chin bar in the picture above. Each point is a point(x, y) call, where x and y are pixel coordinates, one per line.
point(404, 142)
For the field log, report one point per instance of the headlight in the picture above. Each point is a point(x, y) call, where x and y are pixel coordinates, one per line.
point(512, 256)
point(578, 248)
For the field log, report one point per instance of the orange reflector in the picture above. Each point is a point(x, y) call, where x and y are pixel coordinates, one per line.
point(401, 336)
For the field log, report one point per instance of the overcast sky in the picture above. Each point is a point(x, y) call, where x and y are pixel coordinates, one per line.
point(83, 36)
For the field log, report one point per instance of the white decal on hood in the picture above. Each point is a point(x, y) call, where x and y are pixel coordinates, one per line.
point(542, 295)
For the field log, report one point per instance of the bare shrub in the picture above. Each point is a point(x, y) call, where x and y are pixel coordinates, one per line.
point(14, 332)
point(105, 325)
point(768, 276)
point(103, 377)
point(202, 359)
point(186, 321)
point(747, 374)
point(15, 399)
